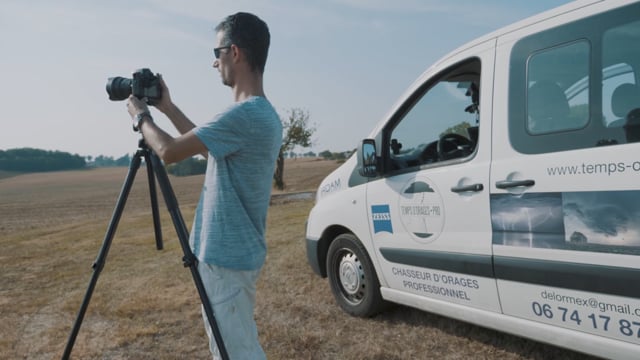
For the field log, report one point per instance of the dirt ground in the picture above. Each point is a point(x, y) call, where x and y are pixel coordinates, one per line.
point(145, 305)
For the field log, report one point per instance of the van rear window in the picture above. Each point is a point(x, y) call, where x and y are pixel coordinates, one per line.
point(575, 86)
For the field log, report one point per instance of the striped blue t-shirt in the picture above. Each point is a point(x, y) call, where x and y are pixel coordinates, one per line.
point(230, 221)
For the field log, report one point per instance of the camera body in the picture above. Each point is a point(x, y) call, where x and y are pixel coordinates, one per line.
point(144, 85)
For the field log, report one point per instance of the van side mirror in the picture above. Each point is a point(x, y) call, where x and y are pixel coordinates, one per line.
point(369, 159)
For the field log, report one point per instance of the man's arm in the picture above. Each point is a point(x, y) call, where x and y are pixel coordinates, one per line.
point(168, 148)
point(179, 119)
point(167, 107)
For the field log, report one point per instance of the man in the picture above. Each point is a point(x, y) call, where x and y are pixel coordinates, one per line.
point(242, 143)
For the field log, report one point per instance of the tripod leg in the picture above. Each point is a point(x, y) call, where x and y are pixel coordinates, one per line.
point(189, 258)
point(98, 265)
point(154, 200)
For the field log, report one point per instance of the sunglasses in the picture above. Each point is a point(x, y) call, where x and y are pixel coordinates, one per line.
point(216, 51)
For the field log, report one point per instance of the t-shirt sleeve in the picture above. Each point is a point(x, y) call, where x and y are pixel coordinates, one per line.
point(222, 136)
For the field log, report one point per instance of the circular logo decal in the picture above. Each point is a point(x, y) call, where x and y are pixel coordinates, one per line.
point(421, 210)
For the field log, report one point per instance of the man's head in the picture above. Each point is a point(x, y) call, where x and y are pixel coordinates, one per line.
point(249, 33)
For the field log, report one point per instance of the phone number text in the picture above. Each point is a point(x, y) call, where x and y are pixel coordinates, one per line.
point(627, 328)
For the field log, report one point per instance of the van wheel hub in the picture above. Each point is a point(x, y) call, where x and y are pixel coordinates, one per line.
point(351, 275)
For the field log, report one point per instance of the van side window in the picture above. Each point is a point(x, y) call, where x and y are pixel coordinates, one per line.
point(620, 91)
point(576, 86)
point(551, 106)
point(441, 122)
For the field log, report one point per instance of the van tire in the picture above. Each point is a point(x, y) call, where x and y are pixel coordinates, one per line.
point(352, 277)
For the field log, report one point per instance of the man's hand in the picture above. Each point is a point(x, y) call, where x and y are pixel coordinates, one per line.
point(136, 106)
point(139, 111)
point(164, 104)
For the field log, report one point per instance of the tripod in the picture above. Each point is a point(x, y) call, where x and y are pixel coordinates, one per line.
point(155, 170)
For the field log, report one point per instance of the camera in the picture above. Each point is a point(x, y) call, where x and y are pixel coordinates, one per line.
point(143, 85)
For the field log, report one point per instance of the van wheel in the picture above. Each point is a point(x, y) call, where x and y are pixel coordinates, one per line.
point(352, 277)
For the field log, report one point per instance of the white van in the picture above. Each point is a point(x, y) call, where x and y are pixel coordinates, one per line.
point(503, 189)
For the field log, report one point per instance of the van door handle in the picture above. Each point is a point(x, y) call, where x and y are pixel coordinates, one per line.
point(467, 188)
point(508, 184)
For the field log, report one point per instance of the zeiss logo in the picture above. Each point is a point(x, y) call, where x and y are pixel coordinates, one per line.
point(381, 219)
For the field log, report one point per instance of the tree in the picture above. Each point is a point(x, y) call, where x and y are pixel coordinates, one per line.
point(124, 160)
point(187, 167)
point(296, 131)
point(460, 129)
point(327, 155)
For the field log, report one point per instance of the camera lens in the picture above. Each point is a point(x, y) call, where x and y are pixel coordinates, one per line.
point(118, 88)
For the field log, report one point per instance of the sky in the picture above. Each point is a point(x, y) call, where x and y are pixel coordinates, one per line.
point(345, 62)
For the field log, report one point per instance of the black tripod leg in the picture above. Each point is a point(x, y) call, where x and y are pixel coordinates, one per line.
point(154, 200)
point(189, 259)
point(98, 265)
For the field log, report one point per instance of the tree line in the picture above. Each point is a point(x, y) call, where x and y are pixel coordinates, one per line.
point(36, 160)
point(297, 132)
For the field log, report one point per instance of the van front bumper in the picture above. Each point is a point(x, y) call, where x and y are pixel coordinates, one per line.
point(312, 256)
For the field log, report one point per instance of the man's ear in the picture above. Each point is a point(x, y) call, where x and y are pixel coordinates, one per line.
point(236, 53)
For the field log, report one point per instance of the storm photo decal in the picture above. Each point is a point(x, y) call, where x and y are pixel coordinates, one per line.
point(584, 221)
point(603, 221)
point(531, 220)
point(421, 210)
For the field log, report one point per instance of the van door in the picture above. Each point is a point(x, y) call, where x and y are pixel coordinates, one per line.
point(565, 178)
point(429, 212)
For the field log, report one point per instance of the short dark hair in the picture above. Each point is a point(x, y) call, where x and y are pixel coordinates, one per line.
point(250, 33)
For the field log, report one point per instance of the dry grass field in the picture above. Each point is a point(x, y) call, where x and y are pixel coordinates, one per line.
point(145, 305)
